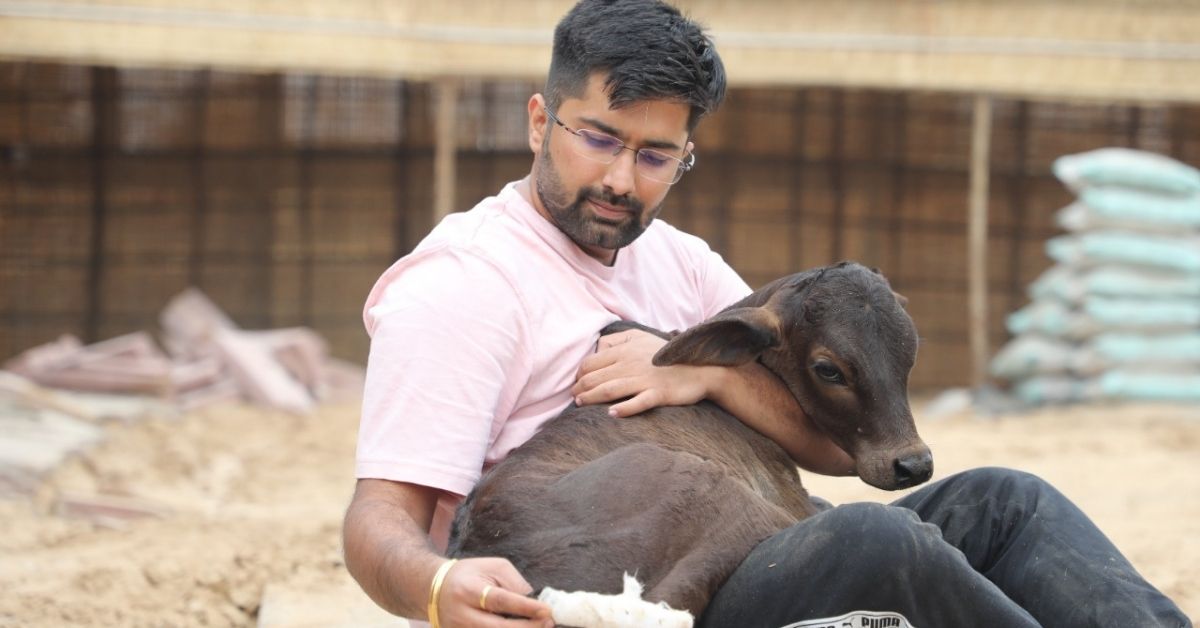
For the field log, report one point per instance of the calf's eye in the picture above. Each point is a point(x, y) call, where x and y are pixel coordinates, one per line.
point(829, 373)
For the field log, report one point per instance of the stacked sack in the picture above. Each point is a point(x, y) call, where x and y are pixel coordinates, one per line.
point(1118, 317)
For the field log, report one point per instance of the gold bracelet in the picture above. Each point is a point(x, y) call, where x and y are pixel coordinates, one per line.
point(435, 590)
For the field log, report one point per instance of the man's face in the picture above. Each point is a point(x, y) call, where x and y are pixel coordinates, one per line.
point(602, 207)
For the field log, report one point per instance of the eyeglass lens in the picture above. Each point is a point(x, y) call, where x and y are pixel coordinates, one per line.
point(653, 164)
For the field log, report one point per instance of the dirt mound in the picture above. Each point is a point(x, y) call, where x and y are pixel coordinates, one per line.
point(249, 498)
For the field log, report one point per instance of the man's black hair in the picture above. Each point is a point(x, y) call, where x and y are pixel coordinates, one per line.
point(648, 50)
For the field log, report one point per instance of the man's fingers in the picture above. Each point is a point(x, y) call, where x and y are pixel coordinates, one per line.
point(596, 379)
point(490, 593)
point(607, 391)
point(637, 405)
point(512, 593)
point(595, 362)
point(505, 602)
point(613, 340)
point(508, 578)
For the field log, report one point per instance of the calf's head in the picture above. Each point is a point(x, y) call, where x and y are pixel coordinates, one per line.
point(840, 340)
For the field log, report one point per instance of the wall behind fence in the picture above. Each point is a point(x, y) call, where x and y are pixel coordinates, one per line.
point(284, 197)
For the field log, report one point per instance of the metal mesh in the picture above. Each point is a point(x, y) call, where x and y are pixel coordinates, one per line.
point(284, 197)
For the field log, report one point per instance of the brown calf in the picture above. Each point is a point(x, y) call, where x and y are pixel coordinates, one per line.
point(680, 495)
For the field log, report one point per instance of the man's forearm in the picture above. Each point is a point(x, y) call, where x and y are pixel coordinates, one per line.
point(389, 555)
point(759, 399)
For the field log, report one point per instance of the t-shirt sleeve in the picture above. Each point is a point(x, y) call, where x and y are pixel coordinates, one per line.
point(720, 285)
point(448, 355)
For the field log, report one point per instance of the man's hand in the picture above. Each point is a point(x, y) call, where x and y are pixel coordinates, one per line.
point(461, 602)
point(621, 368)
point(388, 552)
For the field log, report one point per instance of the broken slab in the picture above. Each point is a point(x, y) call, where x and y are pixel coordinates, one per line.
point(16, 387)
point(261, 377)
point(194, 375)
point(126, 364)
point(224, 390)
point(61, 352)
point(289, 369)
point(137, 344)
point(34, 441)
point(189, 320)
point(302, 351)
point(38, 439)
point(85, 406)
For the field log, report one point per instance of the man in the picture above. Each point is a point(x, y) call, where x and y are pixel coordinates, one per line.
point(489, 329)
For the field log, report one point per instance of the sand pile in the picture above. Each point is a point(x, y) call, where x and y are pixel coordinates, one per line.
point(250, 500)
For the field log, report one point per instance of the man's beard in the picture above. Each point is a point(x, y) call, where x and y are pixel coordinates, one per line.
point(575, 218)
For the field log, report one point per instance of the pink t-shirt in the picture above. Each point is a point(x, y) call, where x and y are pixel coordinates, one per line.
point(476, 336)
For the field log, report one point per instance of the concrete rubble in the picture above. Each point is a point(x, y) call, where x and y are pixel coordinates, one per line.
point(54, 397)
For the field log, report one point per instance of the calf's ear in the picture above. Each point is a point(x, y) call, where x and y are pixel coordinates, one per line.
point(730, 338)
point(900, 298)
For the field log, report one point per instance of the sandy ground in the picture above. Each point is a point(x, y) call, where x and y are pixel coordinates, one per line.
point(254, 502)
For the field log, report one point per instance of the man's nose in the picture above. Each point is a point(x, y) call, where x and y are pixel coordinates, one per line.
point(621, 175)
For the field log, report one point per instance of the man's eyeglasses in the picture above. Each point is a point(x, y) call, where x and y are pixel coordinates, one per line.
point(652, 164)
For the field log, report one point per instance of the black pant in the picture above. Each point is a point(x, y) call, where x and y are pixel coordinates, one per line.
point(984, 548)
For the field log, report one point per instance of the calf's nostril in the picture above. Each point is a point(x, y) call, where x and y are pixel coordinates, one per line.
point(913, 470)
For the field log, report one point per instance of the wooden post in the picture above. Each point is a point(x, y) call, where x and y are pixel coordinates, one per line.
point(106, 91)
point(444, 176)
point(977, 228)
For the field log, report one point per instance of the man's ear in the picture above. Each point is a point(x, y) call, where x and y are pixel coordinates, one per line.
point(734, 337)
point(537, 122)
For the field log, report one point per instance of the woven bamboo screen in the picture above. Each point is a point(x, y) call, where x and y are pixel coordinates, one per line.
point(284, 196)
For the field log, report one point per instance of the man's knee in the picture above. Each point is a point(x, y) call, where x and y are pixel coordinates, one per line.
point(877, 533)
point(844, 558)
point(865, 536)
point(867, 519)
point(1002, 484)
